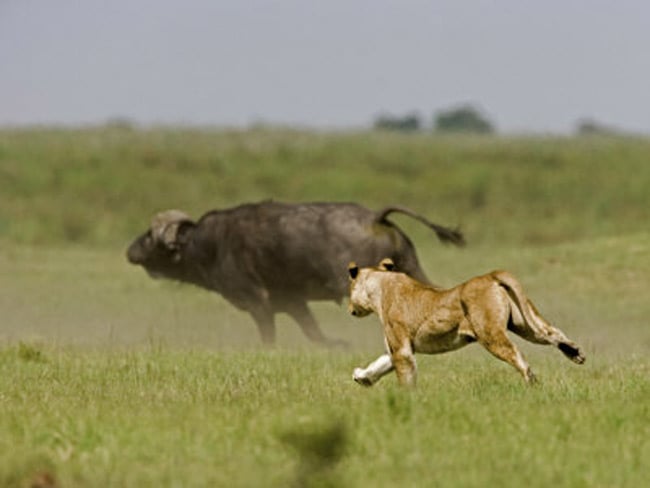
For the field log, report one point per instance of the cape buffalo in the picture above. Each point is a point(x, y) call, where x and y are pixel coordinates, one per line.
point(274, 257)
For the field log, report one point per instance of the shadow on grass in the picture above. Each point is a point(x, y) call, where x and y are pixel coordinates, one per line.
point(319, 449)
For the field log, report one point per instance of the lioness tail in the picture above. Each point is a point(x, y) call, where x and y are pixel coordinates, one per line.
point(544, 332)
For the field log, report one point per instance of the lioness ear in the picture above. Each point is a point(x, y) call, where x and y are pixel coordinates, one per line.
point(387, 264)
point(353, 270)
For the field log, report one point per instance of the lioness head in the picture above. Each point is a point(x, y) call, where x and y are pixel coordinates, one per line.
point(362, 286)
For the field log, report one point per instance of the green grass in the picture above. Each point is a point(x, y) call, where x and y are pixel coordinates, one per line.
point(100, 186)
point(109, 378)
point(165, 418)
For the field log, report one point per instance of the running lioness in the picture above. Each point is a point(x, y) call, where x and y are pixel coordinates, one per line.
point(420, 318)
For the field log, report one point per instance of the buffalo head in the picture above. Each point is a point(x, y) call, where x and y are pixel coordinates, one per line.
point(158, 249)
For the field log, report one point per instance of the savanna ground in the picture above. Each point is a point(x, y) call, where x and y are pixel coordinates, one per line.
point(108, 378)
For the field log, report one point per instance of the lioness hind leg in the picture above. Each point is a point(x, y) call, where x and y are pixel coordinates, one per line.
point(500, 346)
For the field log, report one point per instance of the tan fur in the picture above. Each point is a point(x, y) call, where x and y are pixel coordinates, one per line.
point(418, 318)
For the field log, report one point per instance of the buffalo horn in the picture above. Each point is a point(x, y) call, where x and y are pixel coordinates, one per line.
point(164, 225)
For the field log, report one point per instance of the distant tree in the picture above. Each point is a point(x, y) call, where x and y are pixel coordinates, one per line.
point(119, 122)
point(408, 123)
point(464, 118)
point(589, 126)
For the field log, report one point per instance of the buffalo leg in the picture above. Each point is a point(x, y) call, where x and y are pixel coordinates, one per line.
point(265, 321)
point(305, 319)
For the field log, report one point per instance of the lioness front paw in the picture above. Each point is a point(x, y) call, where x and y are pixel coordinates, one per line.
point(360, 377)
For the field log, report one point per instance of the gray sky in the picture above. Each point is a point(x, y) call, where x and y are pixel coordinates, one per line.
point(530, 65)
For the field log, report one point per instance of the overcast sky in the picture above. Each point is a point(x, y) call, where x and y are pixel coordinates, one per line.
point(530, 65)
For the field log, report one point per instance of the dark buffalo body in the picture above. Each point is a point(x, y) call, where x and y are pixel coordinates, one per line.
point(274, 257)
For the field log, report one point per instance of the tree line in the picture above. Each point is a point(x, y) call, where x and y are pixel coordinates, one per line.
point(468, 118)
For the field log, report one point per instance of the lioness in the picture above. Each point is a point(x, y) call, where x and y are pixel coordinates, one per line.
point(420, 318)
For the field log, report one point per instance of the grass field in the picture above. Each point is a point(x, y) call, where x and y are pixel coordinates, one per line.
point(100, 186)
point(108, 378)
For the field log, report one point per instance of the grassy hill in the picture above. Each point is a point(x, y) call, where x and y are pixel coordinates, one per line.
point(109, 378)
point(100, 186)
